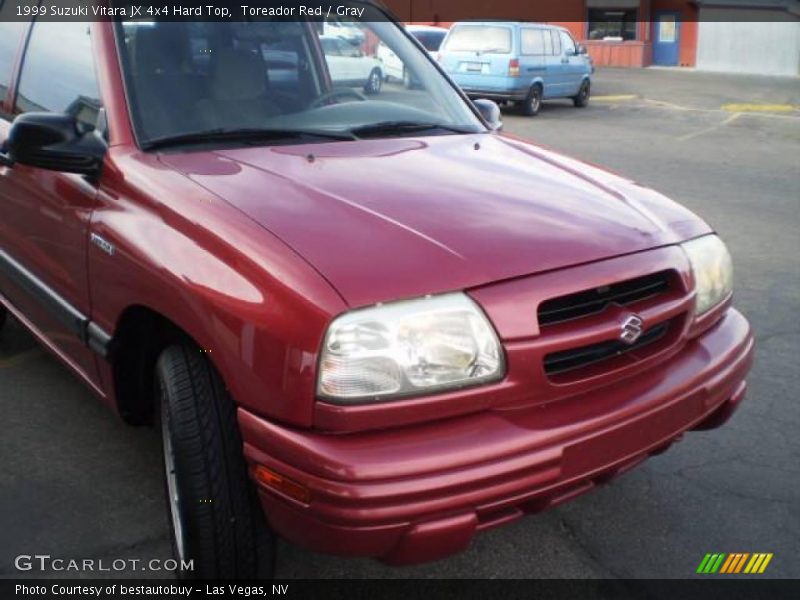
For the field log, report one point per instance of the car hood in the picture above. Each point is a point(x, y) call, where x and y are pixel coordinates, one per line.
point(398, 218)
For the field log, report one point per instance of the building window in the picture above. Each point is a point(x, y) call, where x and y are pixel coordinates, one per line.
point(612, 24)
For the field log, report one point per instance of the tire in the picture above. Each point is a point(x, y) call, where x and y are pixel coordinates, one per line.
point(582, 99)
point(375, 82)
point(533, 103)
point(214, 515)
point(3, 316)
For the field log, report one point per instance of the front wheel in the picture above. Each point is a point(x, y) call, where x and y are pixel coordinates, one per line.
point(374, 83)
point(215, 519)
point(582, 99)
point(533, 103)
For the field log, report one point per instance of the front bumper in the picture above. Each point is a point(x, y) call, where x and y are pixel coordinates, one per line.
point(419, 493)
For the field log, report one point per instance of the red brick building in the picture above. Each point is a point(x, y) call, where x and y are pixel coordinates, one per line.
point(637, 33)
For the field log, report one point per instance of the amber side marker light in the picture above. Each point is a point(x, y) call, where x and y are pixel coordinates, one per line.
point(284, 485)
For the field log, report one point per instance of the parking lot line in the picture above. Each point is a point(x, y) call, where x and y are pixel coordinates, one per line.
point(767, 108)
point(758, 114)
point(617, 98)
point(695, 134)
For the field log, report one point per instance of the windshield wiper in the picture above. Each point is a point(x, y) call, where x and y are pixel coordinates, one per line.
point(404, 127)
point(244, 135)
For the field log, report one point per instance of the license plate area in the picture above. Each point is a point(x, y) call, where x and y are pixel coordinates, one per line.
point(474, 67)
point(629, 440)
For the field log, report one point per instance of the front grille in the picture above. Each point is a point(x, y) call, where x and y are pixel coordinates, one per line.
point(576, 358)
point(590, 302)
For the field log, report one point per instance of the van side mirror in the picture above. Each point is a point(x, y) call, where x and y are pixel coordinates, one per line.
point(581, 49)
point(53, 141)
point(490, 113)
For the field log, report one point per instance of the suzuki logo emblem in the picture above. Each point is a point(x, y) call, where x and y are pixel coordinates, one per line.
point(631, 329)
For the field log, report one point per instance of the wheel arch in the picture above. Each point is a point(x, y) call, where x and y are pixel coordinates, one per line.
point(187, 265)
point(537, 81)
point(141, 334)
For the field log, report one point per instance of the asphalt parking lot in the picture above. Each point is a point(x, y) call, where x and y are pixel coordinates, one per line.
point(77, 483)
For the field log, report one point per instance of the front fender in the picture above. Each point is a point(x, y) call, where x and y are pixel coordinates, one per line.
point(237, 290)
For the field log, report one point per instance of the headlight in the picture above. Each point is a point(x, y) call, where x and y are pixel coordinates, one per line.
point(408, 348)
point(713, 271)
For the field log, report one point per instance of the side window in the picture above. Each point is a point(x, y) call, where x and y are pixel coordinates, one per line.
point(10, 33)
point(283, 61)
point(556, 42)
point(349, 50)
point(548, 43)
point(533, 41)
point(330, 47)
point(567, 43)
point(58, 72)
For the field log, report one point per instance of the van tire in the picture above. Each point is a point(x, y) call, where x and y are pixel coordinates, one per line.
point(582, 99)
point(214, 515)
point(533, 103)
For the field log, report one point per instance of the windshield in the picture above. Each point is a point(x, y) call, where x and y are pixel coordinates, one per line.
point(184, 79)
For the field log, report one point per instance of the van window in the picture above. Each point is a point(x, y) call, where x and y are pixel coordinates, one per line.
point(533, 41)
point(58, 72)
point(480, 38)
point(10, 33)
point(556, 42)
point(567, 43)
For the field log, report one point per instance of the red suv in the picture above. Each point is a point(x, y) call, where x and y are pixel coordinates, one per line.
point(373, 325)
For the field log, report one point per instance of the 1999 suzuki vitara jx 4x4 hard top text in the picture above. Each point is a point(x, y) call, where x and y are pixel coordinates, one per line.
point(363, 318)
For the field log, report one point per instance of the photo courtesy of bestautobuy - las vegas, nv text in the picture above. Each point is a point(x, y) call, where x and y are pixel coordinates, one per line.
point(399, 299)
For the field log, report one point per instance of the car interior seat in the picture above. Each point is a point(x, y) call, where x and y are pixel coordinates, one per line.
point(238, 91)
point(164, 80)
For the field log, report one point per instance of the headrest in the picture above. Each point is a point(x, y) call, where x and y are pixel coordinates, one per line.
point(238, 75)
point(160, 49)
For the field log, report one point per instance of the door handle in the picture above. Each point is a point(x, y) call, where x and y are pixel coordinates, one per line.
point(564, 61)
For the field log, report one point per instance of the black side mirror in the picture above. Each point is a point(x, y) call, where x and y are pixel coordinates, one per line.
point(490, 113)
point(53, 141)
